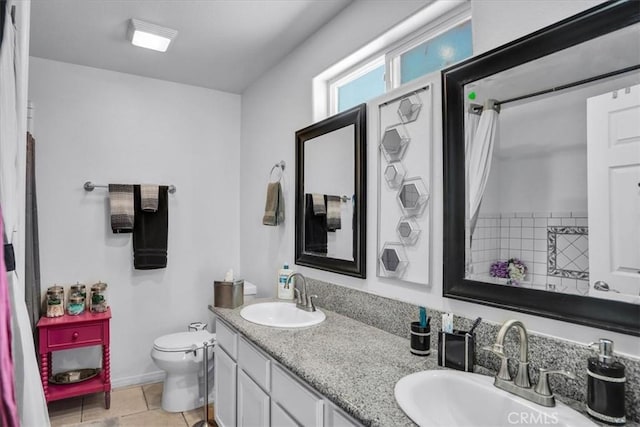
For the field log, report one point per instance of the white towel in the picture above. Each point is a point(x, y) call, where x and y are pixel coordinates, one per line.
point(149, 197)
point(319, 207)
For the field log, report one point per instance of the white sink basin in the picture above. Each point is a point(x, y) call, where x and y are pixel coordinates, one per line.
point(455, 398)
point(281, 315)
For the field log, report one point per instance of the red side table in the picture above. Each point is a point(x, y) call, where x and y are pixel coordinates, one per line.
point(68, 332)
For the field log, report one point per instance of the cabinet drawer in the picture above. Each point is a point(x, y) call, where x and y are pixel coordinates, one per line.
point(74, 335)
point(227, 338)
point(254, 363)
point(301, 403)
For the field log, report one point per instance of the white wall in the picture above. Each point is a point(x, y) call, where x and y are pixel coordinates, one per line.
point(110, 127)
point(280, 102)
point(541, 155)
point(496, 22)
point(273, 109)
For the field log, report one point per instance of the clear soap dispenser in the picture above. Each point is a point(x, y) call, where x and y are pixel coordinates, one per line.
point(605, 385)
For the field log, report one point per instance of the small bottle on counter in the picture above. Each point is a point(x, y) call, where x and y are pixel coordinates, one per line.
point(75, 306)
point(605, 385)
point(55, 301)
point(99, 298)
point(283, 274)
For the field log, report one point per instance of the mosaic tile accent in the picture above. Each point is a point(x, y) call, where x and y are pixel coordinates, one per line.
point(524, 235)
point(568, 252)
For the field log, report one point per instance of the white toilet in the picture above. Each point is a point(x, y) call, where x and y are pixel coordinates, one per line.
point(174, 354)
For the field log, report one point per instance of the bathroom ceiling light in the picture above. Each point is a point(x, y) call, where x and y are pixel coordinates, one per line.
point(150, 36)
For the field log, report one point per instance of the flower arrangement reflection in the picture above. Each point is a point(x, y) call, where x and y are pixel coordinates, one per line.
point(513, 269)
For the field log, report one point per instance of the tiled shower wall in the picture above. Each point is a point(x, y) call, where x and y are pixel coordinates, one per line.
point(526, 236)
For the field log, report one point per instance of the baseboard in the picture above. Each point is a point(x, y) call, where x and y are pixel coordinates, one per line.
point(150, 377)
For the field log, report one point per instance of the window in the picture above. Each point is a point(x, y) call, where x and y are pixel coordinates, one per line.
point(434, 54)
point(446, 40)
point(367, 83)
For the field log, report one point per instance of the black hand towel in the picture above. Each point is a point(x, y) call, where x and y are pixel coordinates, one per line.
point(315, 229)
point(150, 232)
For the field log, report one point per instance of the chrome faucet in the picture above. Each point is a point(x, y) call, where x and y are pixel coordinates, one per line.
point(304, 301)
point(521, 385)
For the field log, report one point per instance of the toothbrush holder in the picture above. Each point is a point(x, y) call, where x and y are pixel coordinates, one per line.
point(456, 350)
point(420, 339)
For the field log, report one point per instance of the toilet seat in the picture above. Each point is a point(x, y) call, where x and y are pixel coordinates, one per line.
point(183, 341)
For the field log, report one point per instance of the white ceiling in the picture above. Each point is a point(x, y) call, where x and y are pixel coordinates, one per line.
point(221, 44)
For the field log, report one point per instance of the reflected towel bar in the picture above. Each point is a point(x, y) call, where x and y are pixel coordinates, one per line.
point(90, 186)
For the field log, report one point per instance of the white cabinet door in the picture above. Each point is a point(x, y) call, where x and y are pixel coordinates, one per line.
point(225, 388)
point(336, 418)
point(280, 418)
point(253, 403)
point(613, 156)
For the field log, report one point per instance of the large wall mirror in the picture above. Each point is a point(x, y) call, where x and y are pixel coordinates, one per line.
point(542, 172)
point(331, 193)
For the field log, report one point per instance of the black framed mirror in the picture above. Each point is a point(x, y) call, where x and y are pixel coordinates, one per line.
point(331, 197)
point(588, 57)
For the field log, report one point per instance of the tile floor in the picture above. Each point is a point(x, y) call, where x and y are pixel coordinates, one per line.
point(137, 406)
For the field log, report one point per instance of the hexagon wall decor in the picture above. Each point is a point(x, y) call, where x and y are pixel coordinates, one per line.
point(394, 143)
point(408, 231)
point(393, 260)
point(413, 197)
point(409, 108)
point(394, 174)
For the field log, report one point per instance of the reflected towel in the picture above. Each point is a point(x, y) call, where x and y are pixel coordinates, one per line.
point(150, 233)
point(121, 204)
point(149, 197)
point(315, 229)
point(333, 213)
point(319, 208)
point(274, 206)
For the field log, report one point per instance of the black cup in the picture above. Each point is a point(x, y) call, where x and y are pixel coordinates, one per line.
point(420, 339)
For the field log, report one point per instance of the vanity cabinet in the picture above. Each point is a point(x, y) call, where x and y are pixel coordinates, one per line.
point(225, 388)
point(252, 389)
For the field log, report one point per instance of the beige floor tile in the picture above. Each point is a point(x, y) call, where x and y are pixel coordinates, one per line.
point(153, 395)
point(107, 422)
point(156, 417)
point(195, 415)
point(65, 411)
point(125, 401)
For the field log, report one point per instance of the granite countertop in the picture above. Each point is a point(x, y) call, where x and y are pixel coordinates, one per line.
point(353, 364)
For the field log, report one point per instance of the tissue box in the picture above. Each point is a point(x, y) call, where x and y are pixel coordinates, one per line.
point(228, 294)
point(456, 350)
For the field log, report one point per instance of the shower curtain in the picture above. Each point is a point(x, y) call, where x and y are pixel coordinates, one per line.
point(32, 407)
point(471, 120)
point(479, 153)
point(32, 254)
point(8, 409)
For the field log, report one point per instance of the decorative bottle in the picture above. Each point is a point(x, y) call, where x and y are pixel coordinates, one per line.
point(605, 385)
